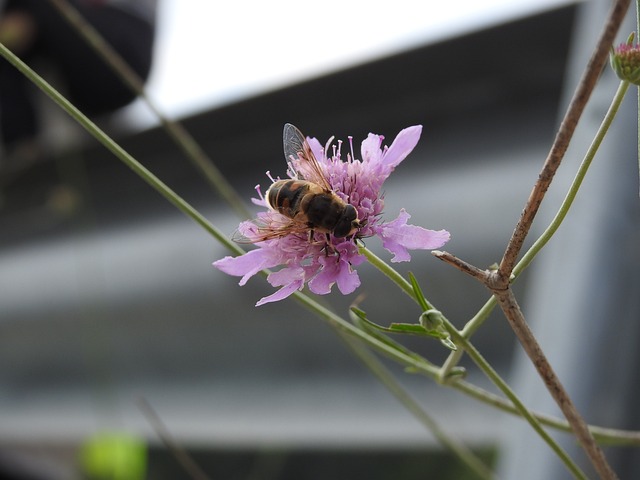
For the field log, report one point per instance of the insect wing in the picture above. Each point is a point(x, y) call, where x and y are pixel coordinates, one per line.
point(270, 228)
point(300, 157)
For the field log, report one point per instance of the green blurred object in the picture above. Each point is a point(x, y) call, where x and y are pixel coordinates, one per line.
point(114, 456)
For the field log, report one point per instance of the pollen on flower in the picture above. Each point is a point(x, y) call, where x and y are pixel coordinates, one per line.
point(310, 254)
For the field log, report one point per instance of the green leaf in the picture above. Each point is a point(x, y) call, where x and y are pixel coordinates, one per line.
point(402, 328)
point(359, 318)
point(418, 291)
point(415, 329)
point(410, 328)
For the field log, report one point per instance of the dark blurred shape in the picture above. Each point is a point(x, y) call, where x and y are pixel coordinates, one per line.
point(34, 30)
point(19, 466)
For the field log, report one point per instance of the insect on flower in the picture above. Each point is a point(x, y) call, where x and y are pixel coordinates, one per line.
point(307, 200)
point(313, 218)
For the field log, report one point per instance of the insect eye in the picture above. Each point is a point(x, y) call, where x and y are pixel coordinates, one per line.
point(351, 213)
point(348, 222)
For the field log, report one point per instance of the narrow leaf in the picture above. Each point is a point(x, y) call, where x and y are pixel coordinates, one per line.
point(418, 291)
point(360, 319)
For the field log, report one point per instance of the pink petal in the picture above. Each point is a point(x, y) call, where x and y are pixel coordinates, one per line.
point(247, 265)
point(335, 272)
point(321, 283)
point(402, 146)
point(281, 294)
point(397, 237)
point(370, 148)
point(347, 279)
point(286, 276)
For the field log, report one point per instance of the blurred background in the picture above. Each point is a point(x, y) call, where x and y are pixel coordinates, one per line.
point(107, 294)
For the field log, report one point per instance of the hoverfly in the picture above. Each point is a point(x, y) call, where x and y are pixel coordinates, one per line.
point(307, 201)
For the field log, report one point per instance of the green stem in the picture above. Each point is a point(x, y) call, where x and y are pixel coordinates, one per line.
point(390, 272)
point(638, 120)
point(388, 380)
point(488, 370)
point(610, 436)
point(118, 151)
point(469, 329)
point(537, 246)
point(528, 257)
point(176, 131)
point(478, 320)
point(605, 436)
point(577, 181)
point(343, 326)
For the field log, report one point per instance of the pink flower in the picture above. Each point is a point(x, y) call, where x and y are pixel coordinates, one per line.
point(326, 260)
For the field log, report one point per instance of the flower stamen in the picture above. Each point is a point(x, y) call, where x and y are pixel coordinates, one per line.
point(353, 157)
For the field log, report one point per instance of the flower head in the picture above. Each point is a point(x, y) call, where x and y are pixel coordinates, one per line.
point(319, 259)
point(625, 61)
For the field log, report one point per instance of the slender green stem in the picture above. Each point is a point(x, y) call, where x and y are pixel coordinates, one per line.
point(605, 436)
point(577, 181)
point(566, 130)
point(488, 370)
point(637, 35)
point(537, 246)
point(449, 364)
point(478, 360)
point(405, 286)
point(528, 257)
point(388, 380)
point(479, 318)
point(390, 272)
point(638, 88)
point(484, 366)
point(469, 329)
point(343, 326)
point(118, 151)
point(176, 131)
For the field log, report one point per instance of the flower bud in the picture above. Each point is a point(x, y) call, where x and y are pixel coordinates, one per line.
point(625, 61)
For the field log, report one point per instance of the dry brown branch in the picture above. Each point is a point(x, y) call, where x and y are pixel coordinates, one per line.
point(511, 309)
point(499, 281)
point(514, 315)
point(475, 272)
point(563, 138)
